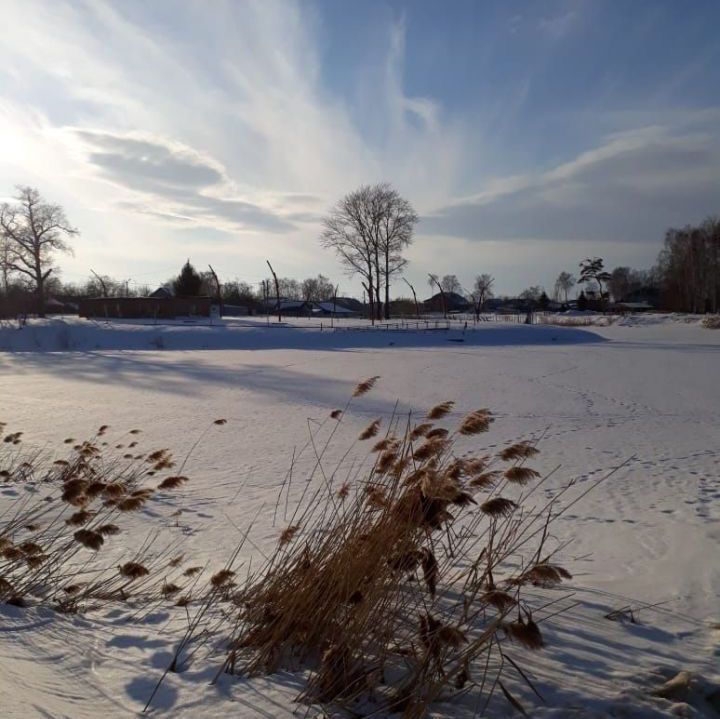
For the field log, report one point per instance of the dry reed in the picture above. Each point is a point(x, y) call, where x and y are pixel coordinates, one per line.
point(364, 592)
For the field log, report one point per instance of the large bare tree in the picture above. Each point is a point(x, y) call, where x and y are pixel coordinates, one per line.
point(689, 267)
point(397, 220)
point(369, 229)
point(482, 292)
point(33, 231)
point(451, 284)
point(564, 283)
point(317, 289)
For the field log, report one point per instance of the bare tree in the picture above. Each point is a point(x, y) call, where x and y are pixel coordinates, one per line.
point(34, 230)
point(317, 289)
point(564, 283)
point(287, 287)
point(434, 281)
point(689, 267)
point(397, 220)
point(532, 295)
point(348, 230)
point(624, 281)
point(369, 229)
point(450, 283)
point(482, 292)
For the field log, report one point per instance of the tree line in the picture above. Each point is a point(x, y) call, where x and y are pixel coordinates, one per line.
point(685, 277)
point(369, 230)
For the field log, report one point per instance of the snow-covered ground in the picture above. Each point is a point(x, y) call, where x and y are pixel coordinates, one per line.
point(644, 392)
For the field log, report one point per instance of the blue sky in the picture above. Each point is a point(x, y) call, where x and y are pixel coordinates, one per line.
point(527, 134)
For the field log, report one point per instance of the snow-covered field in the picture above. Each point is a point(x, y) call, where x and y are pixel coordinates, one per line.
point(643, 393)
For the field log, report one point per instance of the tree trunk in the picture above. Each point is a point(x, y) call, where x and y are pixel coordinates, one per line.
point(378, 275)
point(387, 287)
point(370, 290)
point(40, 280)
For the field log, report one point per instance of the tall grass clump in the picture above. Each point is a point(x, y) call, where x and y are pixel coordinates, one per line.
point(577, 320)
point(403, 581)
point(58, 535)
point(711, 322)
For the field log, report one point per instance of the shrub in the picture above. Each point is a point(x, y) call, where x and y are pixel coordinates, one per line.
point(53, 542)
point(577, 321)
point(407, 581)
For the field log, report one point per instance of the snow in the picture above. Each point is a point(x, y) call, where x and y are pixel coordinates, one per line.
point(642, 391)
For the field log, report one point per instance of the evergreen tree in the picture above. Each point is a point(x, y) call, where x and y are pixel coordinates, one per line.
point(188, 282)
point(582, 301)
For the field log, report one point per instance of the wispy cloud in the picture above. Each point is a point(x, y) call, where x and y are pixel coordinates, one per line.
point(630, 189)
point(560, 25)
point(171, 128)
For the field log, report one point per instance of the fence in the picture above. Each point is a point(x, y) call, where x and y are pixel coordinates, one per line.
point(14, 307)
point(399, 326)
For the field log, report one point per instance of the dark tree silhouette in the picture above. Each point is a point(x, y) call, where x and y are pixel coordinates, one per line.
point(593, 270)
point(188, 283)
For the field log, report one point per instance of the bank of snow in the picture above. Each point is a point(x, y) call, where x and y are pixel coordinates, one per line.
point(73, 334)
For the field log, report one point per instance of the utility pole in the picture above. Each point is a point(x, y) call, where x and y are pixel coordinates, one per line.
point(417, 310)
point(218, 293)
point(103, 286)
point(277, 290)
point(434, 279)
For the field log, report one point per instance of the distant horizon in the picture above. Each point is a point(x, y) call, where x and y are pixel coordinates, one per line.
point(527, 136)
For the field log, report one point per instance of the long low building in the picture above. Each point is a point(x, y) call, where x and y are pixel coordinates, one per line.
point(145, 307)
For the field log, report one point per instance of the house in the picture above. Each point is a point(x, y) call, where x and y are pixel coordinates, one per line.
point(161, 293)
point(289, 308)
point(53, 306)
point(453, 303)
point(350, 303)
point(335, 309)
point(235, 310)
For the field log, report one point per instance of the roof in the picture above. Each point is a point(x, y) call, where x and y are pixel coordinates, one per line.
point(161, 292)
point(337, 309)
point(289, 304)
point(350, 303)
point(451, 298)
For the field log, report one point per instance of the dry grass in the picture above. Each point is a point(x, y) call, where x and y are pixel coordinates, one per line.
point(401, 585)
point(54, 539)
point(395, 583)
point(711, 322)
point(577, 320)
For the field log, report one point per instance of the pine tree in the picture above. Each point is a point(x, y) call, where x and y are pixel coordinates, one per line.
point(582, 302)
point(188, 282)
